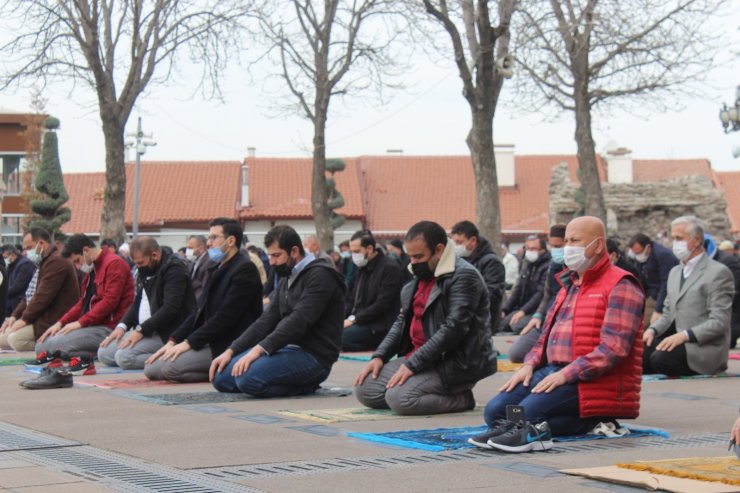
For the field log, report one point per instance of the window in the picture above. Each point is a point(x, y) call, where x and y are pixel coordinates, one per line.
point(12, 174)
point(11, 229)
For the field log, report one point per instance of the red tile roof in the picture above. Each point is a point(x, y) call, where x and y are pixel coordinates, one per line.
point(651, 170)
point(281, 189)
point(730, 183)
point(171, 192)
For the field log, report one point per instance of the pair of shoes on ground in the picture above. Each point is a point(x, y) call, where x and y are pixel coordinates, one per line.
point(78, 365)
point(508, 436)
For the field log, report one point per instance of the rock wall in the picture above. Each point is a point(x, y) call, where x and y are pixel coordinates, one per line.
point(645, 207)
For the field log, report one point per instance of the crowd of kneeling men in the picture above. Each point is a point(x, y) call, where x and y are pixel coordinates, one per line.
point(218, 316)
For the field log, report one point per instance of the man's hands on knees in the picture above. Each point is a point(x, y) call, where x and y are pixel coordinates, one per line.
point(113, 336)
point(399, 378)
point(131, 340)
point(735, 433)
point(154, 357)
point(648, 337)
point(50, 332)
point(534, 323)
point(516, 317)
point(373, 368)
point(241, 366)
point(221, 362)
point(550, 383)
point(523, 375)
point(672, 342)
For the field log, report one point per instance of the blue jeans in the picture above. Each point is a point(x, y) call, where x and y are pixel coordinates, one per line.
point(289, 371)
point(559, 407)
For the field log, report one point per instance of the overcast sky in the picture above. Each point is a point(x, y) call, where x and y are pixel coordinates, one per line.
point(430, 117)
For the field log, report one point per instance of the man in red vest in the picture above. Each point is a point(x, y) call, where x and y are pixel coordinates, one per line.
point(587, 365)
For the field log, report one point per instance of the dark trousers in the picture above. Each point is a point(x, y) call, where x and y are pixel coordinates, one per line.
point(361, 338)
point(559, 407)
point(672, 363)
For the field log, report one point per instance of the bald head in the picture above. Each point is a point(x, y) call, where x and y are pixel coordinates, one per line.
point(587, 232)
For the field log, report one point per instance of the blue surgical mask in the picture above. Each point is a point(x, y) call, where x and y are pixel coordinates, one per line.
point(558, 255)
point(216, 254)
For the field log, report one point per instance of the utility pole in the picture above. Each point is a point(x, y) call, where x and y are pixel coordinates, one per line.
point(140, 144)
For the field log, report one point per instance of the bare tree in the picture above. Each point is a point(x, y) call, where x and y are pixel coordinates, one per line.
point(480, 49)
point(580, 54)
point(118, 49)
point(340, 48)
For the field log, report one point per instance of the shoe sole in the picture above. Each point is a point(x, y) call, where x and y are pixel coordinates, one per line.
point(481, 445)
point(527, 447)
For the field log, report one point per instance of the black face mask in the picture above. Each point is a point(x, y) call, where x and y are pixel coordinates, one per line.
point(283, 270)
point(148, 270)
point(422, 271)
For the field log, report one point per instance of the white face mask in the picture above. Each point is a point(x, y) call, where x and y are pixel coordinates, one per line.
point(532, 255)
point(461, 250)
point(575, 257)
point(189, 254)
point(85, 267)
point(641, 257)
point(681, 250)
point(359, 259)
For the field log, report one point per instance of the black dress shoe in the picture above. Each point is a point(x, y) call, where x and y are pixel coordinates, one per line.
point(54, 379)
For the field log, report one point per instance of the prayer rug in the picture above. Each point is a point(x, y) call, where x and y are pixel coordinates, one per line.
point(353, 357)
point(12, 361)
point(649, 481)
point(504, 365)
point(724, 470)
point(186, 398)
point(124, 384)
point(440, 439)
point(99, 370)
point(659, 376)
point(345, 414)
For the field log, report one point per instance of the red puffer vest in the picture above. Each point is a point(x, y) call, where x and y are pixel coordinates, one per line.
point(616, 393)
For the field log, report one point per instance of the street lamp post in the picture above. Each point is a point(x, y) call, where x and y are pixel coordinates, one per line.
point(730, 116)
point(141, 143)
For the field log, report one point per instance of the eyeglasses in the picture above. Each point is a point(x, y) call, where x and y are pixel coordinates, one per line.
point(214, 237)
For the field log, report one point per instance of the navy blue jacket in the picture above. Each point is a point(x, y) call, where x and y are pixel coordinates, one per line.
point(654, 273)
point(20, 273)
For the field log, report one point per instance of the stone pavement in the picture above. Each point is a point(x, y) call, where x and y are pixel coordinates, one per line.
point(88, 439)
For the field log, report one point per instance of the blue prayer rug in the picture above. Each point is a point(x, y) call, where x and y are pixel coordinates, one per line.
point(440, 439)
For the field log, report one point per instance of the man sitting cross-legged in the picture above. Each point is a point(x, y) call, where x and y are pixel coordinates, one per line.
point(442, 337)
point(164, 298)
point(291, 348)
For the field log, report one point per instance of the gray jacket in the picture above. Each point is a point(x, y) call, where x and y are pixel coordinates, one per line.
point(456, 326)
point(704, 305)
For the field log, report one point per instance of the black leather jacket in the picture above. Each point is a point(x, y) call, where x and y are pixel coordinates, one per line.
point(456, 326)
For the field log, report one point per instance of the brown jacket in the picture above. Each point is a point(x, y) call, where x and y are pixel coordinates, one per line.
point(57, 290)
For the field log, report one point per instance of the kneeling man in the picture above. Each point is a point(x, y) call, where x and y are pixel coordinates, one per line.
point(291, 348)
point(442, 337)
point(164, 299)
point(587, 365)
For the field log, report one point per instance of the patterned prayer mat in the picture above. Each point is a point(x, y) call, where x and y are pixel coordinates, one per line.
point(124, 384)
point(345, 414)
point(658, 376)
point(187, 398)
point(717, 469)
point(99, 370)
point(440, 439)
point(504, 365)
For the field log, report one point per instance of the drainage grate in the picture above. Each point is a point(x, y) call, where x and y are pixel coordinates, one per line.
point(127, 475)
point(235, 473)
point(13, 438)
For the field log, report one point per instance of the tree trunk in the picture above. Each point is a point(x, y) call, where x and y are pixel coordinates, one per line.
point(480, 143)
point(114, 202)
point(319, 190)
point(590, 181)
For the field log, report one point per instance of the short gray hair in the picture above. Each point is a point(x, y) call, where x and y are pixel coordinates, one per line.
point(693, 228)
point(199, 239)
